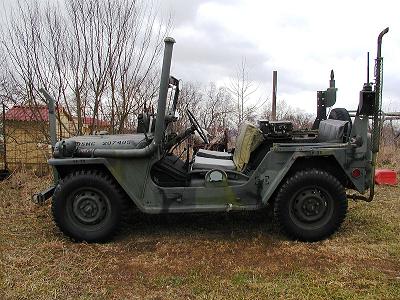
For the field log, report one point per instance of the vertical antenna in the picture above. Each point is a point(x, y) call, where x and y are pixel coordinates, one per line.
point(368, 67)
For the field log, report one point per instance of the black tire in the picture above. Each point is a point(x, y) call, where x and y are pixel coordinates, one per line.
point(310, 206)
point(340, 114)
point(88, 206)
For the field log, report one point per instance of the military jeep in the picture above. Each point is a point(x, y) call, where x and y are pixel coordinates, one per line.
point(302, 175)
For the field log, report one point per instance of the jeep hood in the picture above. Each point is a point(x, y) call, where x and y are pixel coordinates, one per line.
point(67, 147)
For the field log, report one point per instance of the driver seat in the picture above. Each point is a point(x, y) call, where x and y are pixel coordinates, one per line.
point(248, 139)
point(214, 154)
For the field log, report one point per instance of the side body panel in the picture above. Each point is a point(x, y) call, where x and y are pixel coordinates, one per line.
point(133, 174)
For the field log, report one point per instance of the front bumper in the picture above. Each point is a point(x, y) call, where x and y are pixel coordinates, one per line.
point(41, 197)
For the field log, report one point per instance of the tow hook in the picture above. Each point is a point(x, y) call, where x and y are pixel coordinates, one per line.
point(41, 197)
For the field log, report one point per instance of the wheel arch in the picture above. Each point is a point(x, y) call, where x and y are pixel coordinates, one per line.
point(65, 170)
point(324, 163)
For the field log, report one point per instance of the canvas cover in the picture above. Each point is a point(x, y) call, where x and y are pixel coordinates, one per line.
point(247, 141)
point(333, 131)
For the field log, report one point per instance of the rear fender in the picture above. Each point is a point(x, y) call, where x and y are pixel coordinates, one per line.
point(278, 165)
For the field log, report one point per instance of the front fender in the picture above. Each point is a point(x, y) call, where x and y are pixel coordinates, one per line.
point(131, 174)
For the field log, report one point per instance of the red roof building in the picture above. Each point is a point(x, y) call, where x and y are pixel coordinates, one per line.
point(27, 113)
point(41, 114)
point(27, 133)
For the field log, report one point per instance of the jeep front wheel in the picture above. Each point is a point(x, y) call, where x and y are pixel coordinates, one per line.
point(311, 205)
point(88, 206)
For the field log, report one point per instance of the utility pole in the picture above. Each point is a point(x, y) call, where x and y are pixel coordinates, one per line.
point(274, 84)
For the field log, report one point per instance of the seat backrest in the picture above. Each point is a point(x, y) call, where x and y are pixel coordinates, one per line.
point(248, 139)
point(334, 131)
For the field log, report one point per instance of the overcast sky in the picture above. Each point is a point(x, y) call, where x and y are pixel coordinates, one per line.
point(302, 40)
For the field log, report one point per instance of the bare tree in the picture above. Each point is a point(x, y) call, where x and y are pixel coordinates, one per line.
point(242, 88)
point(7, 90)
point(98, 58)
point(124, 67)
point(216, 108)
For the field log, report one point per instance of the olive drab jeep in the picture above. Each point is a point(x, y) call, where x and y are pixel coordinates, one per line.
point(306, 176)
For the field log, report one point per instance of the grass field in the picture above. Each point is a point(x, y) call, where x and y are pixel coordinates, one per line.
point(218, 256)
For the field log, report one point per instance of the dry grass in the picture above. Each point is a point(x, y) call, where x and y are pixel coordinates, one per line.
point(217, 256)
point(389, 157)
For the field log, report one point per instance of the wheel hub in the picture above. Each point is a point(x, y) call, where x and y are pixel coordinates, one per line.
point(310, 205)
point(89, 207)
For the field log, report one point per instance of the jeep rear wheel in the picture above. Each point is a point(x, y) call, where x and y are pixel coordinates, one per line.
point(311, 205)
point(88, 206)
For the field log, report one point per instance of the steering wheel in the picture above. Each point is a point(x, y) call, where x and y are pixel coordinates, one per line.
point(196, 126)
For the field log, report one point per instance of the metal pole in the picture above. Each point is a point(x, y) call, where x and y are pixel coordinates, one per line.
point(274, 88)
point(4, 137)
